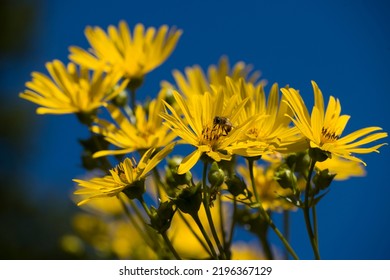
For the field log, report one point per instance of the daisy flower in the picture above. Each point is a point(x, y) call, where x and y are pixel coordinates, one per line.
point(210, 124)
point(271, 133)
point(147, 131)
point(124, 176)
point(132, 55)
point(68, 90)
point(195, 81)
point(324, 127)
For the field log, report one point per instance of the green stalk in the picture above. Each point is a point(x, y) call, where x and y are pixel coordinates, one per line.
point(306, 212)
point(205, 235)
point(170, 246)
point(232, 225)
point(222, 223)
point(206, 204)
point(163, 234)
point(204, 245)
point(286, 227)
point(135, 224)
point(265, 214)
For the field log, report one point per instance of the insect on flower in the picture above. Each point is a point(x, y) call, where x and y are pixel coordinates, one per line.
point(224, 124)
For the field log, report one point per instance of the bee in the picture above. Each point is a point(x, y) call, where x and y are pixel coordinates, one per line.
point(223, 123)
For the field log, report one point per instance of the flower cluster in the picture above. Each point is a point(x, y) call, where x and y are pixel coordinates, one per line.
point(261, 152)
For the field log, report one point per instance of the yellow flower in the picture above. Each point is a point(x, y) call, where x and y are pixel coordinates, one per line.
point(344, 169)
point(271, 133)
point(323, 128)
point(210, 124)
point(184, 240)
point(267, 187)
point(70, 91)
point(147, 132)
point(108, 236)
point(125, 175)
point(195, 81)
point(133, 55)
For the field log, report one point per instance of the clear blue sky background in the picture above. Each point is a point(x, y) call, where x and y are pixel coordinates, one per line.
point(343, 45)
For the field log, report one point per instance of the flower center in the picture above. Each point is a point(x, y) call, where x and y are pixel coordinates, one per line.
point(328, 136)
point(211, 133)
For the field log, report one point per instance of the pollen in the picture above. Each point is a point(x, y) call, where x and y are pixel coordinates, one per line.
point(210, 135)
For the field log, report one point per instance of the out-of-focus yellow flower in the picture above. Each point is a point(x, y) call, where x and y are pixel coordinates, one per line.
point(271, 133)
point(184, 241)
point(344, 169)
point(147, 132)
point(323, 128)
point(71, 91)
point(246, 251)
point(267, 187)
point(210, 123)
point(110, 237)
point(194, 81)
point(131, 55)
point(125, 175)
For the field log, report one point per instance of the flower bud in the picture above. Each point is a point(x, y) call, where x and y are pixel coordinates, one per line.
point(160, 219)
point(169, 98)
point(323, 179)
point(172, 178)
point(87, 118)
point(236, 185)
point(135, 83)
point(319, 155)
point(189, 199)
point(216, 175)
point(121, 99)
point(285, 177)
point(135, 190)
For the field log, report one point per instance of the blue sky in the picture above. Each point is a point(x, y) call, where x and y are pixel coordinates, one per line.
point(343, 45)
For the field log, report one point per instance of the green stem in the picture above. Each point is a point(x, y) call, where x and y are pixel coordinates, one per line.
point(157, 182)
point(170, 246)
point(132, 100)
point(232, 225)
point(265, 214)
point(163, 234)
point(315, 224)
point(265, 244)
point(306, 213)
point(204, 245)
point(146, 208)
point(205, 235)
point(134, 223)
point(206, 204)
point(286, 228)
point(151, 234)
point(222, 223)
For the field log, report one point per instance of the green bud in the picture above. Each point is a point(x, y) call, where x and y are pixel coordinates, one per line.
point(161, 218)
point(291, 160)
point(216, 175)
point(188, 199)
point(121, 99)
point(319, 155)
point(236, 185)
point(135, 83)
point(87, 118)
point(323, 179)
point(172, 178)
point(169, 98)
point(135, 190)
point(302, 163)
point(285, 177)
